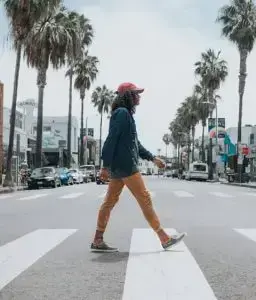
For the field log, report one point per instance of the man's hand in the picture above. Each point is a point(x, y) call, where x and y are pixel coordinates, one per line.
point(104, 175)
point(159, 163)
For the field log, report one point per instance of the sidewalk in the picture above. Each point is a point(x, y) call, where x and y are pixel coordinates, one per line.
point(251, 185)
point(6, 190)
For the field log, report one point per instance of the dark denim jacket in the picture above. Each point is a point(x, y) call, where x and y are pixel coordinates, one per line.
point(122, 149)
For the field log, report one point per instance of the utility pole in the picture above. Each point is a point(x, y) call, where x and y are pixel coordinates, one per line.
point(1, 130)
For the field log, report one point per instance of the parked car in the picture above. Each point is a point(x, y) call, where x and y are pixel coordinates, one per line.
point(90, 171)
point(65, 176)
point(77, 176)
point(44, 177)
point(99, 180)
point(86, 176)
point(197, 171)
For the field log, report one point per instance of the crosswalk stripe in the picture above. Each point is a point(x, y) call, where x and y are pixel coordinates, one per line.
point(250, 194)
point(183, 194)
point(18, 255)
point(73, 195)
point(222, 195)
point(250, 233)
point(5, 196)
point(32, 197)
point(156, 274)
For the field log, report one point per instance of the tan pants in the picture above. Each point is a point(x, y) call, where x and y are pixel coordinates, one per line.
point(136, 185)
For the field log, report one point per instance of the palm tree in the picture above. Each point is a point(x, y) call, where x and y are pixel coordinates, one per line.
point(102, 98)
point(203, 111)
point(22, 16)
point(212, 71)
point(167, 141)
point(86, 71)
point(238, 22)
point(86, 35)
point(52, 40)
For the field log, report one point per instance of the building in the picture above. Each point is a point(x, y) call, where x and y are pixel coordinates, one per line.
point(147, 167)
point(54, 143)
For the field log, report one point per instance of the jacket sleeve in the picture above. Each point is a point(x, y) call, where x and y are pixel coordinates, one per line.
point(144, 153)
point(119, 123)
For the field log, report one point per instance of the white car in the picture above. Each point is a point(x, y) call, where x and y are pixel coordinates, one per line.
point(197, 171)
point(77, 176)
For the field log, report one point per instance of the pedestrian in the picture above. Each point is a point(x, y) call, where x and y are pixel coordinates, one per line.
point(120, 155)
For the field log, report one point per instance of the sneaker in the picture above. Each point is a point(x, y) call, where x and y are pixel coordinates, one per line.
point(174, 240)
point(102, 247)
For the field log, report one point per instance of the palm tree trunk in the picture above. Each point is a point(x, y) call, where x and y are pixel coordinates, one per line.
point(8, 177)
point(81, 132)
point(101, 115)
point(193, 143)
point(242, 79)
point(41, 83)
point(203, 152)
point(69, 120)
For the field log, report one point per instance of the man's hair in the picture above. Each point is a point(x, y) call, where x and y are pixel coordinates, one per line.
point(124, 100)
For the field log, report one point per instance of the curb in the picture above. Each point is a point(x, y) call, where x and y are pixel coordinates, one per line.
point(8, 190)
point(240, 185)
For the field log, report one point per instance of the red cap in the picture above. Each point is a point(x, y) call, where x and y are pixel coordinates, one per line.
point(128, 86)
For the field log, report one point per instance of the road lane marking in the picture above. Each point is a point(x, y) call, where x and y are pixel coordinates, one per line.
point(221, 195)
point(20, 254)
point(249, 194)
point(5, 197)
point(250, 233)
point(71, 196)
point(32, 197)
point(156, 274)
point(183, 194)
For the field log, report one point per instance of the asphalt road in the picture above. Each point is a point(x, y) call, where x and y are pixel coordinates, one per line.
point(45, 237)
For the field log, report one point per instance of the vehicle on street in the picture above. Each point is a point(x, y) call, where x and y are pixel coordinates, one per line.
point(65, 176)
point(44, 177)
point(90, 170)
point(197, 171)
point(99, 180)
point(77, 176)
point(86, 176)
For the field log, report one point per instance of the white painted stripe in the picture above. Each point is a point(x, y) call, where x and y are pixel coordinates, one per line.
point(156, 274)
point(221, 195)
point(250, 233)
point(18, 255)
point(250, 194)
point(5, 196)
point(32, 197)
point(183, 194)
point(70, 196)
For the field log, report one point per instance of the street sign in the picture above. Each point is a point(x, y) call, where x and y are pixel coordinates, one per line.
point(212, 123)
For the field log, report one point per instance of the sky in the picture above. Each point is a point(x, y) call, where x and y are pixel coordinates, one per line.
point(151, 43)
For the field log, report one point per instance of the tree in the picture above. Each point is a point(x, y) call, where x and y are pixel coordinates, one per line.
point(22, 16)
point(102, 98)
point(86, 35)
point(238, 22)
point(52, 40)
point(86, 71)
point(212, 71)
point(167, 141)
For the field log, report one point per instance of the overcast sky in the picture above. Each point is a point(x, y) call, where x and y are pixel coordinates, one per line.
point(153, 44)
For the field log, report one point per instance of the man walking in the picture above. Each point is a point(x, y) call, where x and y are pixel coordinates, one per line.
point(120, 155)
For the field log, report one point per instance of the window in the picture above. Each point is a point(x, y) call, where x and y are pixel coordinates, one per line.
point(199, 168)
point(47, 128)
point(252, 139)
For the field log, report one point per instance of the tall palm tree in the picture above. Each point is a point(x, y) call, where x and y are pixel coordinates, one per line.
point(52, 40)
point(86, 71)
point(238, 22)
point(86, 36)
point(167, 141)
point(203, 111)
point(102, 98)
point(22, 16)
point(212, 70)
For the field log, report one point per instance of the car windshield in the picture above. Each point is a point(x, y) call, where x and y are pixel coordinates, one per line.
point(42, 172)
point(200, 168)
point(73, 171)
